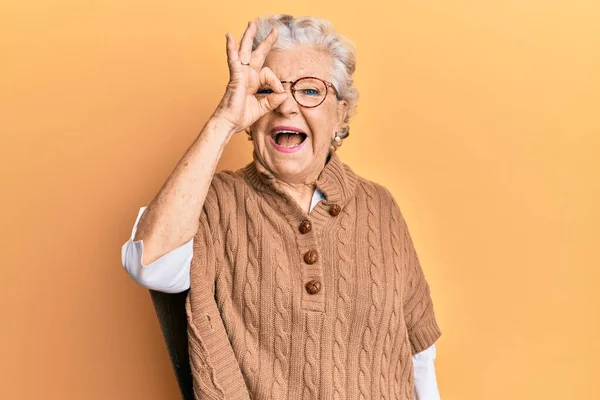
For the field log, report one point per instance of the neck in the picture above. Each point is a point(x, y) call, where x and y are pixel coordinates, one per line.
point(336, 181)
point(301, 193)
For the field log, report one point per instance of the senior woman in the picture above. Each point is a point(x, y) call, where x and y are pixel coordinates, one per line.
point(304, 283)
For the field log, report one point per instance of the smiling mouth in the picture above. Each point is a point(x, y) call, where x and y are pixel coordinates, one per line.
point(289, 139)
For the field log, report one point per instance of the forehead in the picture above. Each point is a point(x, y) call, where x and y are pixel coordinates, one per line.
point(299, 61)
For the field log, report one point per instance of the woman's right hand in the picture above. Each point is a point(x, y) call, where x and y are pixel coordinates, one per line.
point(240, 107)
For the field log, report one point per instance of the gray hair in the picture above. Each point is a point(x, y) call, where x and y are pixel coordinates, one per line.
point(321, 34)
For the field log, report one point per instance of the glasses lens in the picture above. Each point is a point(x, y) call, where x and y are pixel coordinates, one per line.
point(310, 92)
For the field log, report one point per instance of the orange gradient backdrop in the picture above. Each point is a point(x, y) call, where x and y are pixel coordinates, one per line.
point(482, 118)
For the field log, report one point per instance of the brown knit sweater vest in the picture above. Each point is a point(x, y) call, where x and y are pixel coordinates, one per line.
point(289, 305)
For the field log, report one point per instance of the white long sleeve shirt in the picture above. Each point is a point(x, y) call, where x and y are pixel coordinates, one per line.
point(171, 274)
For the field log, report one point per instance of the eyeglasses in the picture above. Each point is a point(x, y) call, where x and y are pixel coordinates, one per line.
point(309, 92)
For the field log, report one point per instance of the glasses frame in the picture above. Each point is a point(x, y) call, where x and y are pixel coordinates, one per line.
point(325, 83)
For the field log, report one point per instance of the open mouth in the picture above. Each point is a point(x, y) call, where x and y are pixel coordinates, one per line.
point(288, 139)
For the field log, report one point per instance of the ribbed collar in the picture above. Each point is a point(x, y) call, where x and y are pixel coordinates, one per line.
point(337, 181)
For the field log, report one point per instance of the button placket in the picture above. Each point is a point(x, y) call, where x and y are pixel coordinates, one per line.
point(310, 264)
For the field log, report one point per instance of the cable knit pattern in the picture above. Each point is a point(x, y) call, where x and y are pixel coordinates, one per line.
point(375, 268)
point(251, 292)
point(343, 299)
point(257, 328)
point(312, 359)
point(403, 373)
point(282, 318)
point(398, 368)
point(392, 338)
point(207, 385)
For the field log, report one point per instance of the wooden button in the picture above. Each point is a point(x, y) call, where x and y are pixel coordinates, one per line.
point(335, 210)
point(305, 226)
point(313, 287)
point(311, 257)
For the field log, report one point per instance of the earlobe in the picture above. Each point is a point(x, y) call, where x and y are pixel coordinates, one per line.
point(335, 143)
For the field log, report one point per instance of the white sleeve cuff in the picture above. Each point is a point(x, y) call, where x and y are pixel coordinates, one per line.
point(169, 274)
point(426, 387)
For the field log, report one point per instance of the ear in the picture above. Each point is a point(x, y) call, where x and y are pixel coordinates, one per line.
point(342, 113)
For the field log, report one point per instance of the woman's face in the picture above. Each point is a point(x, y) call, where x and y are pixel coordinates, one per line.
point(298, 159)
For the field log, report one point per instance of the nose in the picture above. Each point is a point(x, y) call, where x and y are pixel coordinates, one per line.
point(289, 105)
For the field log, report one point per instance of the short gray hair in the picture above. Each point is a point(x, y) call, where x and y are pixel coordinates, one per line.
point(321, 34)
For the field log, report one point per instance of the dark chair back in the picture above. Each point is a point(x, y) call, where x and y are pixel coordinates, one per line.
point(170, 311)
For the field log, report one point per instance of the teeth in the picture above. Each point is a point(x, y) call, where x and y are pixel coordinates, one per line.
point(287, 132)
point(293, 132)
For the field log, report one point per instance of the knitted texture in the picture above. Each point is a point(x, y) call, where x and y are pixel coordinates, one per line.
point(255, 329)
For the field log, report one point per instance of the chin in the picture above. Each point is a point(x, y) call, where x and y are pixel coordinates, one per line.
point(289, 169)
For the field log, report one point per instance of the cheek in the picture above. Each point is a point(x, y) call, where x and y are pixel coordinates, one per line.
point(324, 122)
point(261, 124)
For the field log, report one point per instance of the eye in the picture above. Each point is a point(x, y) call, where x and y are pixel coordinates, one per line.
point(264, 91)
point(311, 92)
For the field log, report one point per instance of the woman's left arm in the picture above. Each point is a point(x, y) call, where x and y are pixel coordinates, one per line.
point(426, 387)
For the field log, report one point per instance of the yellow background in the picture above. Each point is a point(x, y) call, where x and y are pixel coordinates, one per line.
point(482, 117)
